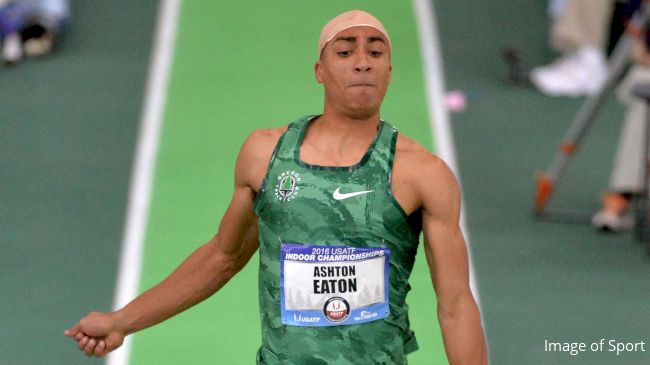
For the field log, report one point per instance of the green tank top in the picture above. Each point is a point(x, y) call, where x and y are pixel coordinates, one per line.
point(321, 209)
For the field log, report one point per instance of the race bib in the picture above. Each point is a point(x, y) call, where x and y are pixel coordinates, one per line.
point(333, 285)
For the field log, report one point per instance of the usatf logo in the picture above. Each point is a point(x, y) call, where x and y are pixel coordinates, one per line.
point(336, 309)
point(287, 187)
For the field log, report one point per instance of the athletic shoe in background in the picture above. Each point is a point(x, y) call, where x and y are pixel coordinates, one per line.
point(12, 15)
point(575, 74)
point(615, 215)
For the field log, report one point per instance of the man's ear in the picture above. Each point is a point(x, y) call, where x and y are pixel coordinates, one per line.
point(318, 71)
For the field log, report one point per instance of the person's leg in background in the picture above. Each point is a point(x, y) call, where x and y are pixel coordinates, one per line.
point(627, 177)
point(578, 32)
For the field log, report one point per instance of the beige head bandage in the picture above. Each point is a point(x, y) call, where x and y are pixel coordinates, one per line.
point(349, 19)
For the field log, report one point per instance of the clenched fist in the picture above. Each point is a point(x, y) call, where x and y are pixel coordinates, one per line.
point(97, 333)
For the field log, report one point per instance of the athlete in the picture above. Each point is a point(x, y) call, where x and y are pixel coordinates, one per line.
point(335, 203)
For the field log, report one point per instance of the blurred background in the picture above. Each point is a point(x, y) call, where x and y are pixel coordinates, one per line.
point(70, 122)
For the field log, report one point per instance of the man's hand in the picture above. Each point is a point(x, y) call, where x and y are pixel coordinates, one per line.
point(97, 333)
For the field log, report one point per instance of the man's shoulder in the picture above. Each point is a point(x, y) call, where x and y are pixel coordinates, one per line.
point(266, 135)
point(261, 142)
point(410, 152)
point(255, 155)
point(420, 168)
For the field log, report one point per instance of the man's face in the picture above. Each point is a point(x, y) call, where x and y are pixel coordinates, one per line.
point(355, 70)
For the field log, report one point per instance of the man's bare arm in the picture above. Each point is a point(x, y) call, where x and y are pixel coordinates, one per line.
point(446, 254)
point(203, 273)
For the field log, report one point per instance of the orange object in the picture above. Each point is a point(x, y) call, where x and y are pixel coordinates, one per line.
point(568, 148)
point(544, 190)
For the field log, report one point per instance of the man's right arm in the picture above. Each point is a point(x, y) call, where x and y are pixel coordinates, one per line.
point(202, 274)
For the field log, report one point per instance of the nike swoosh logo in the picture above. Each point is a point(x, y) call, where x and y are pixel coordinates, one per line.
point(340, 196)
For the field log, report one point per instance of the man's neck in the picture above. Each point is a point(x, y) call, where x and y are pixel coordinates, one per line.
point(342, 128)
point(340, 136)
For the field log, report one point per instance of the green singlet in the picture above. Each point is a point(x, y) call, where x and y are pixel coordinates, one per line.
point(352, 206)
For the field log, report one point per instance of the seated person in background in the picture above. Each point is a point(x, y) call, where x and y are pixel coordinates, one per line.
point(31, 27)
point(578, 32)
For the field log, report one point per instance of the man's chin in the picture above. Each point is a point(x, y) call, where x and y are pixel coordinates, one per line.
point(363, 102)
point(364, 111)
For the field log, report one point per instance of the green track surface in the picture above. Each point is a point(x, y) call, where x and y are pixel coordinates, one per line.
point(538, 280)
point(68, 124)
point(239, 66)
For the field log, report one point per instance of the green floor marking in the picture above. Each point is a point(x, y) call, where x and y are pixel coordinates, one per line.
point(240, 66)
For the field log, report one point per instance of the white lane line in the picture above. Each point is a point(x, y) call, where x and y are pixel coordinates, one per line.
point(142, 174)
point(438, 114)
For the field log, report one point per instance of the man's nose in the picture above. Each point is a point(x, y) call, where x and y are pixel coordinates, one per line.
point(362, 63)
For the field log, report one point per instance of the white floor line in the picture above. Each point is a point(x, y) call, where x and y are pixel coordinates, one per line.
point(142, 174)
point(438, 114)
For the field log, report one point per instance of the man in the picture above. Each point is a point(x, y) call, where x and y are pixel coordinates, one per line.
point(335, 203)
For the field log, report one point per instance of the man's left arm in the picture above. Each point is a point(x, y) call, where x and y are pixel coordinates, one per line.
point(458, 314)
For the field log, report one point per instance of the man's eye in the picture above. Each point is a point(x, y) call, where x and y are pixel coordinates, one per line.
point(376, 53)
point(344, 53)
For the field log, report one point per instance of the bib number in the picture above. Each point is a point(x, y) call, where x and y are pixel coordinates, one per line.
point(333, 285)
